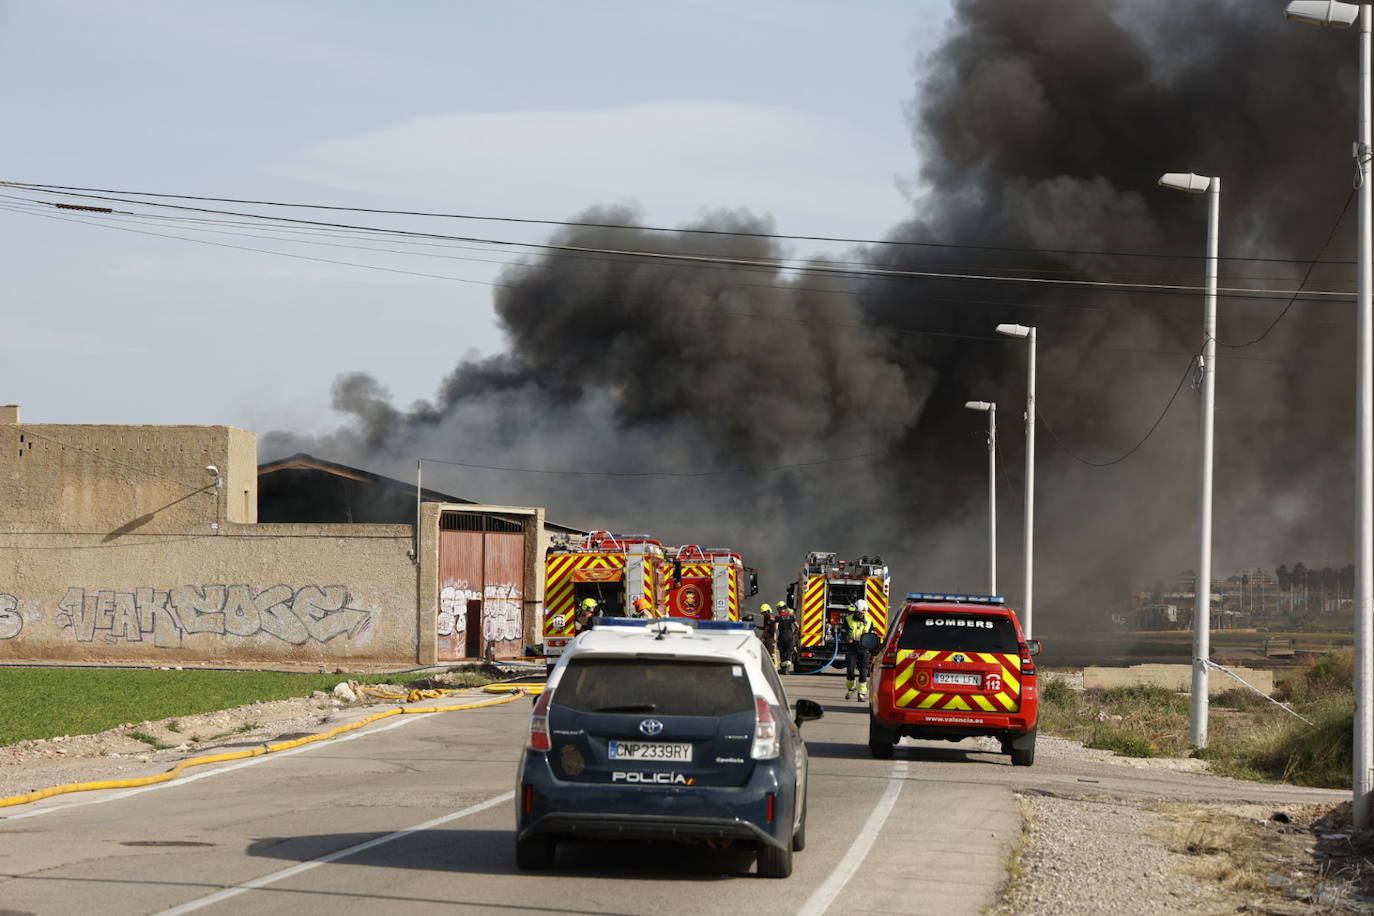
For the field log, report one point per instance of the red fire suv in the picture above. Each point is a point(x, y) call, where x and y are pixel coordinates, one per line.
point(953, 667)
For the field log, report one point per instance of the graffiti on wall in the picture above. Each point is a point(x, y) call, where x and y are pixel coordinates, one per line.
point(11, 621)
point(501, 610)
point(501, 613)
point(295, 615)
point(453, 608)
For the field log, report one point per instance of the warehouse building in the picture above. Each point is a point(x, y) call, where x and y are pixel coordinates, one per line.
point(170, 545)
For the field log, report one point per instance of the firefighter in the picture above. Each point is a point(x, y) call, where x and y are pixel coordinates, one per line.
point(768, 631)
point(785, 622)
point(642, 607)
point(586, 610)
point(856, 655)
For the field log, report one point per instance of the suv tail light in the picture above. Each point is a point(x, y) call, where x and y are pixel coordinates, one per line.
point(889, 656)
point(539, 723)
point(765, 731)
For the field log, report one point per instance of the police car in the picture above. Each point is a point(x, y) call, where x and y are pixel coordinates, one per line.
point(664, 730)
point(955, 667)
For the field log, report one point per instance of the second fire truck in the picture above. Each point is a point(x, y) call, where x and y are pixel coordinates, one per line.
point(824, 591)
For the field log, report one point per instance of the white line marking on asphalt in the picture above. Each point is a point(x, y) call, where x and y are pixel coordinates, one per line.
point(294, 870)
point(204, 774)
point(823, 896)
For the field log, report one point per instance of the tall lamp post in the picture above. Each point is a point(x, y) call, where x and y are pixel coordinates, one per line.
point(1028, 536)
point(1207, 365)
point(991, 410)
point(1334, 14)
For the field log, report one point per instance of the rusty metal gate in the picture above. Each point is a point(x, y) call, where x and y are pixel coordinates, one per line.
point(481, 585)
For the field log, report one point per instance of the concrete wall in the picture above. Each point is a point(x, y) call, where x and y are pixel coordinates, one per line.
point(245, 596)
point(117, 480)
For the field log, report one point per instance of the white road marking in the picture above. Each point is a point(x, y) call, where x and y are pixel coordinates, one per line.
point(204, 774)
point(823, 896)
point(294, 870)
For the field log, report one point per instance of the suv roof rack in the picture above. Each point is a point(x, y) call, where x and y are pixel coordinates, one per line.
point(956, 599)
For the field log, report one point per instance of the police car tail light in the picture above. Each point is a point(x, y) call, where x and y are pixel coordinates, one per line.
point(765, 731)
point(539, 724)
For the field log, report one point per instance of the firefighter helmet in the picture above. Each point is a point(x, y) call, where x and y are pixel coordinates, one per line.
point(588, 604)
point(859, 607)
point(642, 604)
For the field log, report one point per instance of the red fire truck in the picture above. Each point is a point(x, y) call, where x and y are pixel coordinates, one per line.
point(613, 570)
point(708, 583)
point(828, 586)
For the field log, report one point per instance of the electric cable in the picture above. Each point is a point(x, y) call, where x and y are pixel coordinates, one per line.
point(72, 190)
point(1312, 264)
point(777, 264)
point(1133, 449)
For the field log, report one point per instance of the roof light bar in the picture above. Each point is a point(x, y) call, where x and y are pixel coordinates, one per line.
point(740, 625)
point(956, 599)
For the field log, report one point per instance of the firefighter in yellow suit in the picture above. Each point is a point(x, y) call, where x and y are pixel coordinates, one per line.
point(857, 656)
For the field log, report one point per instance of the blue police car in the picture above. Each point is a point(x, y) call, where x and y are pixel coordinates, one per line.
point(664, 730)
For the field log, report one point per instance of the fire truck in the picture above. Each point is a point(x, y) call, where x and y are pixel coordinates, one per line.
point(614, 570)
point(828, 586)
point(708, 583)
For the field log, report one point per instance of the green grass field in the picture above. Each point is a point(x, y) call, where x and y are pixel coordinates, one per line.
point(48, 702)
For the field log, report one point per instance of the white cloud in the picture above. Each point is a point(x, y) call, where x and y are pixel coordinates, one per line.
point(815, 174)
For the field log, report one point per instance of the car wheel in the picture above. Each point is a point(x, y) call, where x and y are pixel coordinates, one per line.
point(535, 853)
point(881, 741)
point(799, 838)
point(775, 861)
point(1023, 750)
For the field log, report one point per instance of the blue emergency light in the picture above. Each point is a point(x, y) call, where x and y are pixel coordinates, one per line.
point(956, 599)
point(741, 625)
point(598, 622)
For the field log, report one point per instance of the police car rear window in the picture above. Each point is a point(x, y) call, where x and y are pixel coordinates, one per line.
point(969, 632)
point(664, 687)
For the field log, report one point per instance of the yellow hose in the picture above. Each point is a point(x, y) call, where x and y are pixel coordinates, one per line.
point(529, 689)
point(177, 770)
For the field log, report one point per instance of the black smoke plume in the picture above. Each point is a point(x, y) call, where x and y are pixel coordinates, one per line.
point(1041, 126)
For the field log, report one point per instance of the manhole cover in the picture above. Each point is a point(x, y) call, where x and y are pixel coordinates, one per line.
point(163, 843)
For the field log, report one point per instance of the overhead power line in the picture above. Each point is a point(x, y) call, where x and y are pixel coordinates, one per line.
point(1143, 439)
point(897, 243)
point(782, 264)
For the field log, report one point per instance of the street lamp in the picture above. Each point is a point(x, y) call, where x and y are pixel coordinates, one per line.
point(1334, 14)
point(991, 410)
point(1028, 518)
point(1207, 365)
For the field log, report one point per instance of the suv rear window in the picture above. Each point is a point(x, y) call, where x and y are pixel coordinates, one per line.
point(662, 686)
point(969, 632)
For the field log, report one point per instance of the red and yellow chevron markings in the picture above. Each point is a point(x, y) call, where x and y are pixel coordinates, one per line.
point(813, 611)
point(558, 585)
point(914, 687)
point(875, 591)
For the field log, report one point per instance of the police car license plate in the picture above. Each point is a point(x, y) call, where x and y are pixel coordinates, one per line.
point(650, 750)
point(956, 677)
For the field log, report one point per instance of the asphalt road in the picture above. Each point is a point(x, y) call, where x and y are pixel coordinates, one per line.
point(415, 813)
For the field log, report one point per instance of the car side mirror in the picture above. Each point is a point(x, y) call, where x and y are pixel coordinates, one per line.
point(870, 641)
point(808, 711)
point(1033, 646)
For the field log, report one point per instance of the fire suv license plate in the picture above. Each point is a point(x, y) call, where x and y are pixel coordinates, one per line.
point(650, 750)
point(955, 677)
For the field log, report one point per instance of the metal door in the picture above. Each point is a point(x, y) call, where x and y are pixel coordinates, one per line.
point(481, 564)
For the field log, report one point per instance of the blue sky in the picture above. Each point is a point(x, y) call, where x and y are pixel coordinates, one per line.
point(792, 108)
